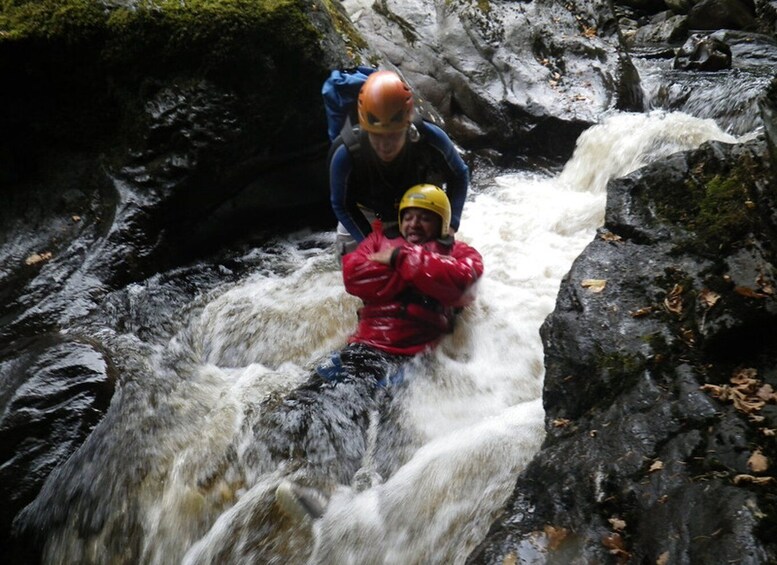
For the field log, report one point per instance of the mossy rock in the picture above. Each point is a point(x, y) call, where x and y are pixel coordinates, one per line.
point(82, 70)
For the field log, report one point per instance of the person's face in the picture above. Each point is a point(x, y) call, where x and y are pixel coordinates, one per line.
point(388, 145)
point(419, 225)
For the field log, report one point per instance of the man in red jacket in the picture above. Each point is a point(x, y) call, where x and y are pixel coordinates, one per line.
point(412, 280)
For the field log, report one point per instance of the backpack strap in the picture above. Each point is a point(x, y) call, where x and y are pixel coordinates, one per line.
point(351, 137)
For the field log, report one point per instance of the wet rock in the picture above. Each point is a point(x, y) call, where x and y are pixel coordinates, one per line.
point(639, 432)
point(531, 76)
point(53, 394)
point(722, 14)
point(680, 6)
point(703, 53)
point(664, 29)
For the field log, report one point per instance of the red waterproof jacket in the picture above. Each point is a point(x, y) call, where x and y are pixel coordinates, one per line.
point(410, 304)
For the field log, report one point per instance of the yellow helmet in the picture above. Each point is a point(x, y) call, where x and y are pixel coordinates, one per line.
point(428, 197)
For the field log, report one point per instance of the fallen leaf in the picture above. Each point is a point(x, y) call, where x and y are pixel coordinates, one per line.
point(642, 312)
point(769, 432)
point(614, 542)
point(510, 559)
point(617, 523)
point(721, 392)
point(663, 559)
point(709, 297)
point(766, 393)
point(757, 462)
point(594, 285)
point(747, 376)
point(656, 466)
point(555, 536)
point(748, 292)
point(561, 422)
point(765, 285)
point(747, 405)
point(674, 300)
point(589, 31)
point(687, 336)
point(608, 235)
point(754, 480)
point(36, 258)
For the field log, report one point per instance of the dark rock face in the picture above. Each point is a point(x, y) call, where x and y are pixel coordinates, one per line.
point(54, 393)
point(659, 392)
point(722, 14)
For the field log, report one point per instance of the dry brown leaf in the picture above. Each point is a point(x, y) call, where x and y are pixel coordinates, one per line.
point(76, 218)
point(769, 432)
point(36, 258)
point(606, 236)
point(617, 524)
point(748, 292)
point(709, 297)
point(766, 393)
point(642, 312)
point(765, 285)
point(674, 300)
point(754, 480)
point(747, 405)
point(758, 463)
point(561, 422)
point(663, 559)
point(657, 465)
point(510, 559)
point(745, 377)
point(594, 285)
point(716, 391)
point(614, 542)
point(589, 31)
point(555, 536)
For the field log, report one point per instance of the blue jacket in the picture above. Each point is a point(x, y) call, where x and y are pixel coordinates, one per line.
point(363, 180)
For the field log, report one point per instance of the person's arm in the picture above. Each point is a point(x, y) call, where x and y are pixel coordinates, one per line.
point(366, 278)
point(343, 203)
point(447, 278)
point(457, 173)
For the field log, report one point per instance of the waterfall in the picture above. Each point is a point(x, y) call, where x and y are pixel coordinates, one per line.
point(177, 472)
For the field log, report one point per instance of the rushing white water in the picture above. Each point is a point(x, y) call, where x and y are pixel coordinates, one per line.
point(475, 406)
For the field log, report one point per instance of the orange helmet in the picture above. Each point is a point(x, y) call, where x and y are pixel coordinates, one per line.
point(385, 103)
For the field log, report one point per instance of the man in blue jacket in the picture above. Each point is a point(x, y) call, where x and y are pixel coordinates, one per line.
point(391, 149)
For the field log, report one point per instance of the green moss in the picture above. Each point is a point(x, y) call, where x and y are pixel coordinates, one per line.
point(80, 66)
point(723, 213)
point(186, 21)
point(70, 20)
point(345, 28)
point(617, 363)
point(716, 208)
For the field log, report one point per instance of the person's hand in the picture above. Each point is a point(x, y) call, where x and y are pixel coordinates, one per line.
point(383, 256)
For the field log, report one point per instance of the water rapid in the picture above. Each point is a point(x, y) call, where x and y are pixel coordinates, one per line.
point(177, 467)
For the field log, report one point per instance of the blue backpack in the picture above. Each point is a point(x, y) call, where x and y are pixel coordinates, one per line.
point(341, 92)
